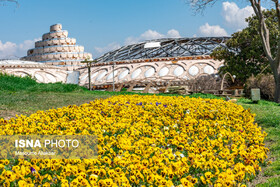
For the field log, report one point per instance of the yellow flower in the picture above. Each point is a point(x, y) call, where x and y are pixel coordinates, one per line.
point(46, 184)
point(147, 140)
point(22, 183)
point(10, 176)
point(208, 175)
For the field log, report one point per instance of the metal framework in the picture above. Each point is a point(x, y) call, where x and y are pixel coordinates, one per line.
point(168, 47)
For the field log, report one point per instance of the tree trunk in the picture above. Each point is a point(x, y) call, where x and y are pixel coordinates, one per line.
point(277, 87)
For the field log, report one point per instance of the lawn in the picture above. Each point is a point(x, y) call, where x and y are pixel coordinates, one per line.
point(268, 117)
point(25, 96)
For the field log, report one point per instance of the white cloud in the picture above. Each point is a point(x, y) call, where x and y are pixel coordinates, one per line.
point(211, 30)
point(147, 35)
point(151, 35)
point(7, 49)
point(101, 50)
point(131, 40)
point(13, 50)
point(235, 16)
point(27, 44)
point(173, 34)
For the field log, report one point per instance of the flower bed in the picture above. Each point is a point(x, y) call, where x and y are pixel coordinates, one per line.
point(145, 140)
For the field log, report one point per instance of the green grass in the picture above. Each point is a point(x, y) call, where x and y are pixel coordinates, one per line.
point(272, 182)
point(268, 117)
point(15, 84)
point(25, 96)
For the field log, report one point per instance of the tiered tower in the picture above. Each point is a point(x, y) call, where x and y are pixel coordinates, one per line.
point(56, 48)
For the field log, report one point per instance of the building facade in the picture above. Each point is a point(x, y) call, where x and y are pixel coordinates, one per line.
point(56, 48)
point(171, 61)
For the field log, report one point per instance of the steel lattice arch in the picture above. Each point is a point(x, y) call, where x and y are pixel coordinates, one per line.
point(156, 63)
point(168, 47)
point(161, 62)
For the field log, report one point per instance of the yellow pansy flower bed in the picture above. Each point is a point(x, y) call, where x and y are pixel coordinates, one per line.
point(144, 141)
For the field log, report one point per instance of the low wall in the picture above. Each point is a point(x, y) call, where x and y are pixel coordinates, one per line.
point(154, 69)
point(160, 70)
point(42, 73)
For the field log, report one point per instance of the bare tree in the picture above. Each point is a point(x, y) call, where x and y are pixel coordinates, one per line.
point(274, 59)
point(13, 1)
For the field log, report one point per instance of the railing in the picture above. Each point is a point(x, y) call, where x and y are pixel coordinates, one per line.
point(235, 92)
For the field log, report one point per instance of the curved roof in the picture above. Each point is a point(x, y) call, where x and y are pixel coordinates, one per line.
point(18, 62)
point(167, 47)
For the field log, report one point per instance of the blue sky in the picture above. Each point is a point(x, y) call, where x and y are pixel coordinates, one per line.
point(103, 25)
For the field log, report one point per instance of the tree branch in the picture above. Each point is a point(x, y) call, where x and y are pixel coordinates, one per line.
point(13, 1)
point(264, 32)
point(278, 45)
point(200, 5)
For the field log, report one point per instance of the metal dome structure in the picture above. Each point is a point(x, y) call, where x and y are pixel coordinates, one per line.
point(155, 63)
point(162, 62)
point(167, 47)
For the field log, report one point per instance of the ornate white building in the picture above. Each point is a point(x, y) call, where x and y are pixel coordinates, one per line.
point(169, 61)
point(162, 62)
point(56, 48)
point(43, 73)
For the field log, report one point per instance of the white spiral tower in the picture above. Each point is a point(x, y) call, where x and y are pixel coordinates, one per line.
point(56, 48)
